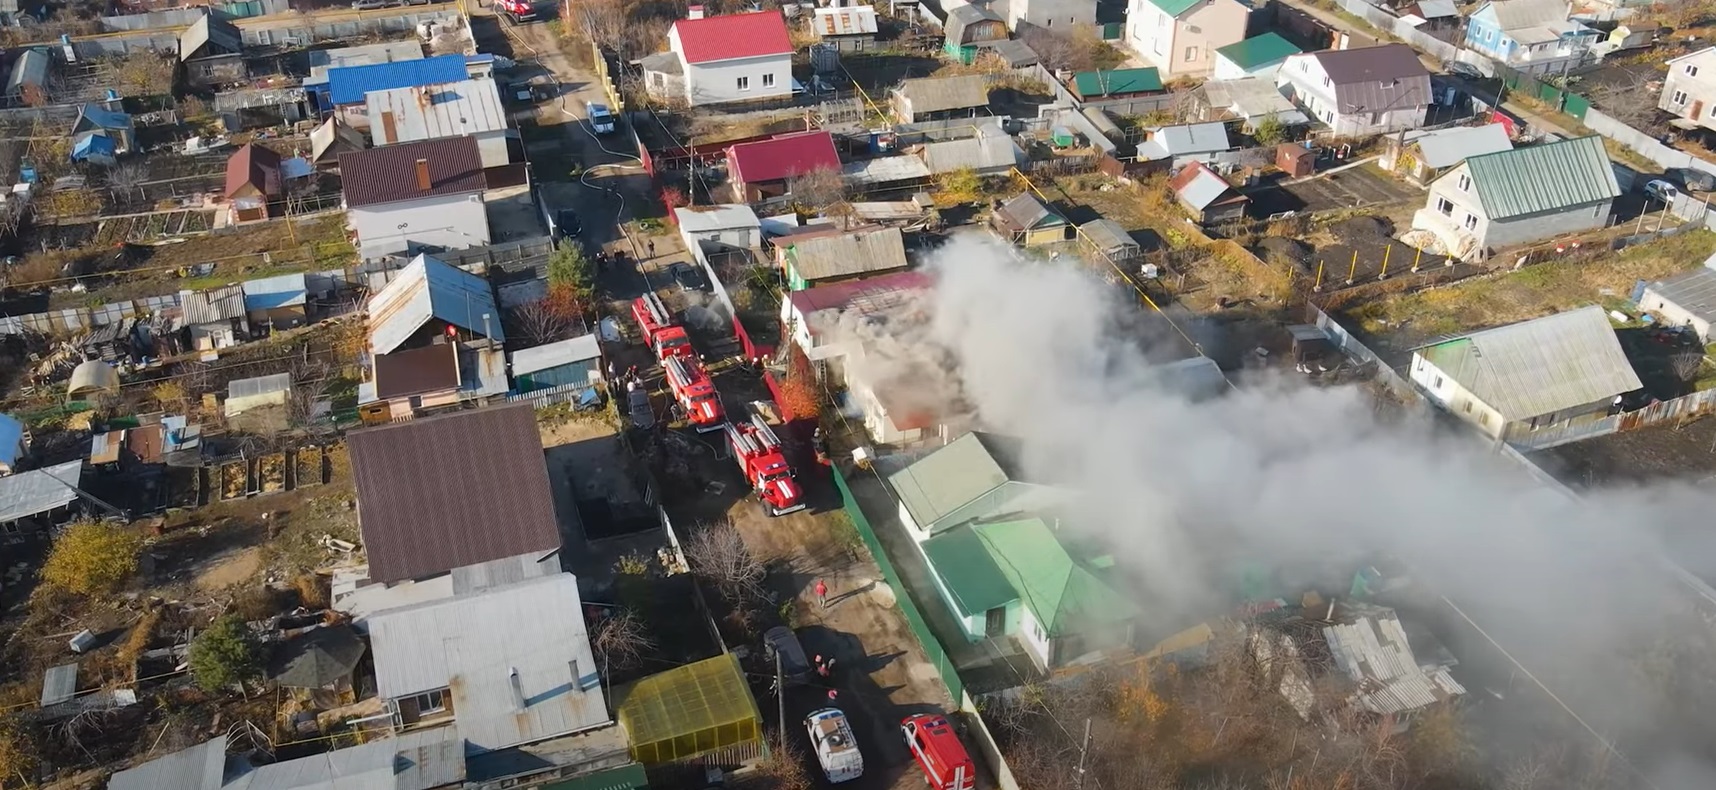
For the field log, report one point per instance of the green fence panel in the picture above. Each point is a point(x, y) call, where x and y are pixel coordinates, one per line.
point(1111, 31)
point(1576, 106)
point(914, 618)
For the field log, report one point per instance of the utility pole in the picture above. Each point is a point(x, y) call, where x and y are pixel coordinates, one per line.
point(780, 698)
point(1083, 752)
point(691, 191)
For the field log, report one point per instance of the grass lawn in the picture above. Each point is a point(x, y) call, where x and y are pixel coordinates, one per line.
point(1407, 320)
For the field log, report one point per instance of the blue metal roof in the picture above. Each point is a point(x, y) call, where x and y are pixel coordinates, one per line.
point(285, 290)
point(430, 288)
point(349, 84)
point(11, 440)
point(92, 144)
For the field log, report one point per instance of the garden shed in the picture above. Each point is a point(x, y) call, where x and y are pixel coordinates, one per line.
point(697, 710)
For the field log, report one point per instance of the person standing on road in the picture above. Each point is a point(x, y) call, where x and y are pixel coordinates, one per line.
point(822, 594)
point(650, 245)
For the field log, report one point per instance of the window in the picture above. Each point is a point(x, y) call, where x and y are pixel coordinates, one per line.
point(1328, 117)
point(744, 83)
point(1305, 66)
point(431, 701)
point(1325, 81)
point(1417, 362)
point(1691, 70)
point(1438, 383)
point(768, 80)
point(1465, 183)
point(1484, 418)
point(1444, 206)
point(658, 80)
point(1467, 407)
point(1471, 222)
point(1050, 23)
point(1191, 54)
point(1679, 98)
point(1375, 118)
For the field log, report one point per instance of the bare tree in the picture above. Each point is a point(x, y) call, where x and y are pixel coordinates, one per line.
point(819, 188)
point(1058, 51)
point(541, 321)
point(1629, 100)
point(127, 177)
point(717, 553)
point(621, 640)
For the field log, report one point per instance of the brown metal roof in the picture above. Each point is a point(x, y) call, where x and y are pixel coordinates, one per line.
point(1376, 79)
point(389, 173)
point(437, 493)
point(145, 442)
point(432, 368)
point(256, 166)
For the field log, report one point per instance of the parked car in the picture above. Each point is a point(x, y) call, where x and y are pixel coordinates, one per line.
point(1664, 191)
point(836, 749)
point(637, 405)
point(368, 5)
point(566, 224)
point(601, 118)
point(689, 277)
point(781, 641)
point(1466, 70)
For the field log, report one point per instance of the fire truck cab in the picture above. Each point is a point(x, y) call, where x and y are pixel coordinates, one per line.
point(937, 750)
point(664, 337)
point(517, 11)
point(694, 392)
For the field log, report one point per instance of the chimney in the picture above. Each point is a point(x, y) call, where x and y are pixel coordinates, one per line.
point(694, 12)
point(423, 181)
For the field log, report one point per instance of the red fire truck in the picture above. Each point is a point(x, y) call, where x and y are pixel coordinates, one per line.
point(758, 452)
point(664, 337)
point(518, 11)
point(939, 753)
point(694, 392)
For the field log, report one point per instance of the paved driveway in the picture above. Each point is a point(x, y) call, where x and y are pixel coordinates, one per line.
point(1364, 186)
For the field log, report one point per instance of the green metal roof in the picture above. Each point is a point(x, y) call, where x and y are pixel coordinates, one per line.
point(625, 777)
point(1542, 178)
point(970, 574)
point(1062, 594)
point(1258, 51)
point(942, 482)
point(1118, 81)
point(1174, 7)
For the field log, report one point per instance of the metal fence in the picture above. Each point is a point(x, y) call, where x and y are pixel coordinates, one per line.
point(542, 399)
point(1351, 346)
point(1694, 405)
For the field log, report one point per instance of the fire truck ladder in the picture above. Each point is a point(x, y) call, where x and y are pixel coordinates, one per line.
point(747, 445)
point(765, 434)
point(657, 311)
point(677, 371)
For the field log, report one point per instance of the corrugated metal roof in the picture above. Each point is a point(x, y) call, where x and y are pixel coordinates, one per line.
point(1190, 139)
point(59, 684)
point(415, 760)
point(1199, 187)
point(884, 170)
point(221, 34)
point(1107, 235)
point(430, 112)
point(1376, 79)
point(855, 20)
point(1259, 50)
point(31, 68)
point(259, 385)
point(1252, 98)
point(389, 173)
point(553, 355)
point(847, 254)
point(201, 767)
point(981, 152)
point(1437, 9)
point(39, 490)
point(1025, 211)
point(428, 288)
point(216, 304)
point(286, 290)
point(1449, 147)
point(935, 94)
point(1694, 292)
point(783, 156)
point(351, 84)
point(956, 475)
point(333, 138)
point(1543, 178)
point(1373, 651)
point(516, 660)
point(1515, 14)
point(365, 54)
point(467, 579)
point(1116, 82)
point(706, 219)
point(1541, 366)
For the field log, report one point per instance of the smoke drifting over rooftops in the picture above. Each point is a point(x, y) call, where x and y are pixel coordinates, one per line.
point(1280, 474)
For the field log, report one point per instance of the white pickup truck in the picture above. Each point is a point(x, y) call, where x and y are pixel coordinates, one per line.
point(836, 749)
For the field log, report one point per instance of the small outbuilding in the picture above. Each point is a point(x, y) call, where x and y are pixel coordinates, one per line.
point(211, 51)
point(969, 28)
point(701, 710)
point(1028, 222)
point(1208, 196)
point(92, 377)
point(1687, 300)
point(813, 259)
point(245, 395)
point(253, 181)
point(322, 658)
point(575, 362)
point(1110, 240)
point(274, 303)
point(1116, 83)
point(213, 317)
point(850, 28)
point(936, 98)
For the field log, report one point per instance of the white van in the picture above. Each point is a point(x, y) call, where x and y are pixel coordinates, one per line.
point(836, 749)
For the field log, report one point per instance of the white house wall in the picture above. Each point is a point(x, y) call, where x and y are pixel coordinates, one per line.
point(453, 222)
point(1035, 638)
point(718, 82)
point(1455, 398)
point(1673, 314)
point(1312, 92)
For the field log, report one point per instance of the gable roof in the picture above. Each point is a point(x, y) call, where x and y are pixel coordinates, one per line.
point(1199, 186)
point(957, 474)
point(1187, 139)
point(515, 659)
point(256, 166)
point(721, 216)
point(428, 112)
point(1449, 147)
point(979, 152)
point(783, 156)
point(351, 84)
point(960, 19)
point(732, 36)
point(1107, 234)
point(1543, 177)
point(1519, 14)
point(428, 288)
point(852, 20)
point(333, 138)
point(1174, 8)
point(95, 116)
point(389, 173)
point(1370, 79)
point(284, 290)
point(39, 490)
point(935, 94)
point(1258, 51)
point(1117, 81)
point(201, 767)
point(1540, 366)
point(221, 37)
point(1252, 98)
point(1694, 291)
point(1436, 9)
point(436, 493)
point(1026, 558)
point(870, 294)
point(847, 254)
point(1026, 212)
point(30, 69)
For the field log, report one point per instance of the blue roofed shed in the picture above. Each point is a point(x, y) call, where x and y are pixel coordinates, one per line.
point(576, 362)
point(276, 302)
point(99, 132)
point(430, 296)
point(11, 443)
point(351, 84)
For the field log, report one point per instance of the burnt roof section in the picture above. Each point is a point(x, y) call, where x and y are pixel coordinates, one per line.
point(437, 493)
point(432, 368)
point(389, 173)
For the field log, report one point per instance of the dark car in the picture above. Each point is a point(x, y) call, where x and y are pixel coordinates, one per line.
point(690, 278)
point(781, 641)
point(566, 224)
point(1466, 70)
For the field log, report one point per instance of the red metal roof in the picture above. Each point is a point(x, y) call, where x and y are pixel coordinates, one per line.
point(882, 292)
point(782, 157)
point(733, 36)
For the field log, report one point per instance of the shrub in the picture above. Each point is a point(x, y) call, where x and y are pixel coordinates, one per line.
point(224, 655)
point(17, 754)
point(91, 558)
point(1270, 131)
point(569, 269)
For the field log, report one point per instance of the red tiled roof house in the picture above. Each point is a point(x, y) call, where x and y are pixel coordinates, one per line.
point(765, 168)
point(723, 59)
point(252, 182)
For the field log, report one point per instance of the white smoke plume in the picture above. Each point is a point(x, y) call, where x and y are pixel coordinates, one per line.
point(1284, 474)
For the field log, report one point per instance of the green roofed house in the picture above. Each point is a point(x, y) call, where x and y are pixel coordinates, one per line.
point(1508, 198)
point(1115, 84)
point(977, 476)
point(1015, 578)
point(1258, 56)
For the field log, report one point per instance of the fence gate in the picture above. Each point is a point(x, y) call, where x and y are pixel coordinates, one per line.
point(1576, 106)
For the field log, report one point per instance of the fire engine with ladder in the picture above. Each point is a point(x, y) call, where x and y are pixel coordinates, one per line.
point(690, 384)
point(758, 451)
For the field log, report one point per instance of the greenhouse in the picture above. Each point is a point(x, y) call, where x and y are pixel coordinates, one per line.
point(702, 712)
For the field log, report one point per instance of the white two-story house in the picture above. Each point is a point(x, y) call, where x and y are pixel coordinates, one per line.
point(722, 60)
point(1689, 90)
point(1359, 92)
point(1180, 37)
